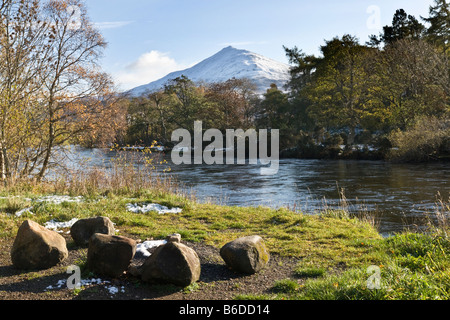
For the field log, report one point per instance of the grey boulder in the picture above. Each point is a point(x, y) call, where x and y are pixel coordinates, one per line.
point(36, 247)
point(173, 263)
point(110, 255)
point(83, 229)
point(246, 255)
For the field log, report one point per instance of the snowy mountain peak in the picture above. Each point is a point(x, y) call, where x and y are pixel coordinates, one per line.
point(227, 64)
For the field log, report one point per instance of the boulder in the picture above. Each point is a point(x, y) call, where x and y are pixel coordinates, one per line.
point(245, 255)
point(36, 247)
point(83, 229)
point(110, 255)
point(173, 263)
point(175, 237)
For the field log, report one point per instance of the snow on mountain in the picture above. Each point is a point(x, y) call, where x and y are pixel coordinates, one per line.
point(227, 64)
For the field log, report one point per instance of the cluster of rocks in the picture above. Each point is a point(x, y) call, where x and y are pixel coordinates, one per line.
point(36, 247)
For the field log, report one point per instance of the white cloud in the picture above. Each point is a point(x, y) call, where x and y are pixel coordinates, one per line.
point(148, 67)
point(112, 24)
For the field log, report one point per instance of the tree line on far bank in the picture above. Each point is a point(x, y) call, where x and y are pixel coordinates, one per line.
point(387, 98)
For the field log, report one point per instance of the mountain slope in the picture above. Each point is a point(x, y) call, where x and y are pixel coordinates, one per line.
point(224, 65)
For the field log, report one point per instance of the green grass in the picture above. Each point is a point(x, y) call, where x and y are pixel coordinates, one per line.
point(286, 286)
point(412, 267)
point(310, 272)
point(334, 250)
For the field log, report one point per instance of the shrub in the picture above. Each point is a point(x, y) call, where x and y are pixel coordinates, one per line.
point(428, 139)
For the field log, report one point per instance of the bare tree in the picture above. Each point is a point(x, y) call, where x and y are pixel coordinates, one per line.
point(25, 42)
point(52, 88)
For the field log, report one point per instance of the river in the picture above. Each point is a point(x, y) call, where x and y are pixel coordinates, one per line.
point(399, 196)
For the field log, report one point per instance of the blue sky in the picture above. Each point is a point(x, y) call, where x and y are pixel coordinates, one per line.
point(147, 39)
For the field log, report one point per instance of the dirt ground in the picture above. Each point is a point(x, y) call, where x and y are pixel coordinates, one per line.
point(216, 282)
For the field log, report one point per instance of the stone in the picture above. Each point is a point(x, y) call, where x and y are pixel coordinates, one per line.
point(110, 255)
point(36, 247)
point(83, 229)
point(245, 255)
point(173, 263)
point(135, 270)
point(176, 237)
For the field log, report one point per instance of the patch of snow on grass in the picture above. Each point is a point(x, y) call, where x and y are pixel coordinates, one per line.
point(148, 207)
point(24, 211)
point(56, 225)
point(55, 199)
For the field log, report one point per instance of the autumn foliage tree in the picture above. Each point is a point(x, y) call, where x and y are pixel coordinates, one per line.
point(233, 103)
point(412, 81)
point(52, 87)
point(23, 54)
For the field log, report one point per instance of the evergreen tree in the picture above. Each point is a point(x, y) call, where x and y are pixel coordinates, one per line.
point(187, 102)
point(403, 26)
point(438, 32)
point(339, 90)
point(302, 70)
point(275, 113)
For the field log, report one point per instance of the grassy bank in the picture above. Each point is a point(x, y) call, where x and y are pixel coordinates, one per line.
point(333, 251)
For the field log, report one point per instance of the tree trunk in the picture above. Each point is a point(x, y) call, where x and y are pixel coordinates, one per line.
point(3, 167)
point(51, 137)
point(163, 126)
point(351, 136)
